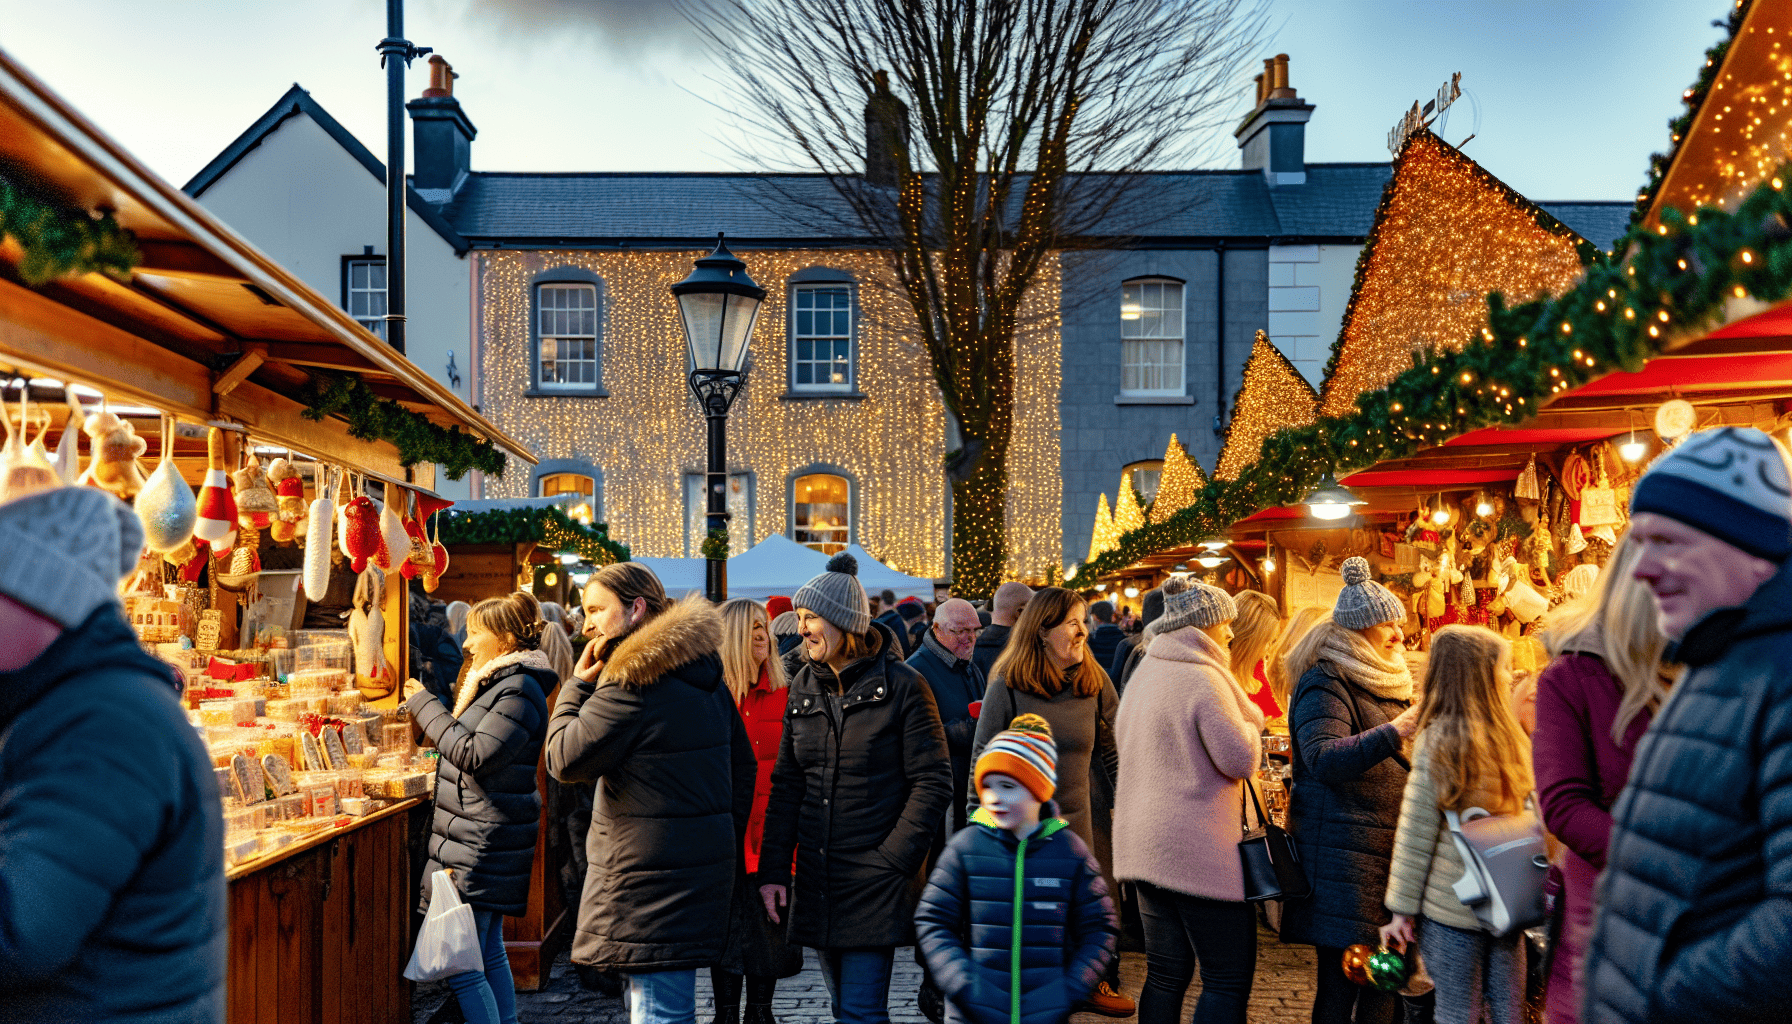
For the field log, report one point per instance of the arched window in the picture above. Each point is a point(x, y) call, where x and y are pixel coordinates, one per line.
point(567, 332)
point(1145, 478)
point(585, 509)
point(821, 511)
point(1151, 336)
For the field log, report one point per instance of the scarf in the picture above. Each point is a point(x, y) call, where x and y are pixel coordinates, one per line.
point(475, 681)
point(939, 650)
point(1386, 678)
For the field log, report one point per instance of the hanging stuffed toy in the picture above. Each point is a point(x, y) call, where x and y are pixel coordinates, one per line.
point(25, 469)
point(320, 520)
point(289, 493)
point(395, 542)
point(116, 447)
point(367, 633)
point(166, 504)
point(360, 532)
point(256, 506)
point(217, 509)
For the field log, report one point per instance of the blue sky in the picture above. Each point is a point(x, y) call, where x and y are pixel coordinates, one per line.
point(1566, 98)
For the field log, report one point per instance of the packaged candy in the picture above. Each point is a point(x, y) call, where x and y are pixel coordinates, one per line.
point(396, 737)
point(279, 774)
point(312, 753)
point(323, 801)
point(356, 805)
point(246, 774)
point(334, 752)
point(346, 704)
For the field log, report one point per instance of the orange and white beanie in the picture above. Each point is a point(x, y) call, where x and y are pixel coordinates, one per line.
point(1024, 752)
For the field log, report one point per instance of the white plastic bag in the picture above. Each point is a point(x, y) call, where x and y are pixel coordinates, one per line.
point(446, 944)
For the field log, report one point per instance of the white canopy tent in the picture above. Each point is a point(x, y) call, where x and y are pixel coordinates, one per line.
point(779, 565)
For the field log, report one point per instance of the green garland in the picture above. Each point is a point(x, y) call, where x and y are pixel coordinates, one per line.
point(59, 241)
point(715, 545)
point(1674, 281)
point(549, 525)
point(1679, 126)
point(372, 418)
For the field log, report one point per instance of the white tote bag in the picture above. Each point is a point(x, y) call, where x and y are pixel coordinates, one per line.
point(446, 944)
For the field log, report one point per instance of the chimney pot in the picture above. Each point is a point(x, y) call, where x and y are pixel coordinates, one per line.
point(1262, 90)
point(441, 77)
point(1272, 138)
point(441, 134)
point(1279, 87)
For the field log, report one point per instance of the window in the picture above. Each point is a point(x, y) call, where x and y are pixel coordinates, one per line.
point(566, 337)
point(696, 513)
point(821, 512)
point(1145, 478)
point(1151, 337)
point(364, 292)
point(821, 337)
point(551, 485)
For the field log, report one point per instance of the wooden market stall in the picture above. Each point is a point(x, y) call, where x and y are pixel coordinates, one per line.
point(112, 280)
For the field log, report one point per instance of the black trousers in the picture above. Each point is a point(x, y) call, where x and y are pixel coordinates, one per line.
point(1183, 932)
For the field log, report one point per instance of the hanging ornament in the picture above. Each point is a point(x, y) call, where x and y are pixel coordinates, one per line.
point(256, 506)
point(367, 634)
point(1526, 488)
point(320, 520)
point(1388, 970)
point(1356, 964)
point(1674, 419)
point(289, 497)
point(166, 504)
point(360, 532)
point(1577, 542)
point(417, 556)
point(394, 542)
point(115, 446)
point(245, 557)
point(436, 562)
point(26, 469)
point(217, 508)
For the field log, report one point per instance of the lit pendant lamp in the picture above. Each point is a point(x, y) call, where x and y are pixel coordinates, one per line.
point(1331, 500)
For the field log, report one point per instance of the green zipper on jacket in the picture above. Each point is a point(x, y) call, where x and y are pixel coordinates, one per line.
point(1047, 829)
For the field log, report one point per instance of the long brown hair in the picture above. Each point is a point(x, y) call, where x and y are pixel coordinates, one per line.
point(739, 616)
point(1281, 679)
point(1476, 745)
point(1024, 665)
point(1254, 631)
point(630, 580)
point(1617, 621)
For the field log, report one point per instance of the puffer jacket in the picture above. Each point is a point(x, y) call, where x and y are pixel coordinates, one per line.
point(987, 882)
point(112, 897)
point(957, 683)
point(659, 734)
point(488, 808)
point(1349, 778)
point(861, 785)
point(1695, 918)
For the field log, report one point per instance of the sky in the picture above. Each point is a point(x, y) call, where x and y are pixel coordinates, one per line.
point(1566, 98)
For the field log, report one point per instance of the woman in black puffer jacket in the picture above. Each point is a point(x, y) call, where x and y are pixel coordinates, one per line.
point(488, 809)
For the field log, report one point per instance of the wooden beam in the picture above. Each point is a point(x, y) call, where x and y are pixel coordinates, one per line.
point(327, 357)
point(275, 419)
point(182, 259)
point(239, 371)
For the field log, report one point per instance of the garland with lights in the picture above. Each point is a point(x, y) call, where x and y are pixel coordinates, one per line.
point(1695, 99)
point(372, 418)
point(549, 526)
point(1674, 280)
point(59, 241)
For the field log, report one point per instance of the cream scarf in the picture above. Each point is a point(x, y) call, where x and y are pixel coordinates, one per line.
point(1388, 679)
point(475, 681)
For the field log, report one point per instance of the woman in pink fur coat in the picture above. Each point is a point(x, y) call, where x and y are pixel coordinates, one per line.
point(1188, 734)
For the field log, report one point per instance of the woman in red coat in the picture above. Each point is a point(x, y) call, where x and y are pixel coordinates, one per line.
point(1593, 703)
point(756, 947)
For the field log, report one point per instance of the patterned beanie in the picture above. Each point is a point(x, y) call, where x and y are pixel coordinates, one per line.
point(1363, 602)
point(1025, 753)
point(1731, 483)
point(1201, 605)
point(836, 596)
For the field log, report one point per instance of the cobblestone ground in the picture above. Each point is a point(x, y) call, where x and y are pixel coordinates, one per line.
point(1282, 994)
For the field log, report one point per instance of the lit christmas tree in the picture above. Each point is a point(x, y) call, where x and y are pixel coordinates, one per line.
point(1182, 479)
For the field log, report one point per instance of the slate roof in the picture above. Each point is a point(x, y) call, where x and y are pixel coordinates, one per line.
point(1601, 223)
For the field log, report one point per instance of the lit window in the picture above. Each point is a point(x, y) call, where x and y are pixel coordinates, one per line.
point(1151, 337)
point(365, 294)
point(740, 509)
point(821, 513)
point(821, 338)
point(567, 337)
point(552, 485)
point(1145, 478)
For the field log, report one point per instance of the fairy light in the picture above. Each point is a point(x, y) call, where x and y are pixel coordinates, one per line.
point(1104, 538)
point(1128, 516)
point(1274, 396)
point(1182, 479)
point(648, 434)
point(1447, 234)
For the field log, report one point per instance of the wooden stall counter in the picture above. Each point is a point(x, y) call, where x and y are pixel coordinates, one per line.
point(320, 930)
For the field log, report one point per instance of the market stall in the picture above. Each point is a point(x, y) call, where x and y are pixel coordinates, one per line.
point(155, 354)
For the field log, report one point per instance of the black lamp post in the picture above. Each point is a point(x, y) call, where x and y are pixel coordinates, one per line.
point(719, 304)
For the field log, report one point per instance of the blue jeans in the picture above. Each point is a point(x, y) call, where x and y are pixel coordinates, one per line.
point(662, 997)
point(488, 998)
point(858, 982)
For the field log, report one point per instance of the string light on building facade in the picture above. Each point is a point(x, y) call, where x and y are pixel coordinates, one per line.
point(1274, 396)
point(1180, 481)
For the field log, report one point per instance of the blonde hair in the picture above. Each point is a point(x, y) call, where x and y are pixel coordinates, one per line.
point(1617, 620)
point(1281, 680)
point(1254, 631)
point(739, 616)
point(1023, 663)
point(510, 617)
point(1476, 745)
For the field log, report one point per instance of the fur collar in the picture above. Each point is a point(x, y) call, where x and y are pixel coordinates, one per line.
point(475, 681)
point(685, 632)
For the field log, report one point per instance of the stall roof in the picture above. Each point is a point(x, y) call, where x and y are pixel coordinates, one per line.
point(206, 327)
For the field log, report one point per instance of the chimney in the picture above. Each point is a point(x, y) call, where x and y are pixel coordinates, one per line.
point(1272, 138)
point(886, 133)
point(442, 134)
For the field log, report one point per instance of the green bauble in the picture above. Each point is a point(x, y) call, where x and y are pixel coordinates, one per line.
point(1388, 970)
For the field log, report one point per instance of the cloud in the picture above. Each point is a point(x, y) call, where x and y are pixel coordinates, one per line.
point(628, 29)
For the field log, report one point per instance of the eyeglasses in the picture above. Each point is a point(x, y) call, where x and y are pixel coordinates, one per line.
point(967, 631)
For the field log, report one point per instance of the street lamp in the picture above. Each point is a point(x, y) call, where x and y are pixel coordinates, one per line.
point(718, 303)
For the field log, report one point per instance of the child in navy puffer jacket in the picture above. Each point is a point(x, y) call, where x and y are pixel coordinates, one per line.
point(1016, 923)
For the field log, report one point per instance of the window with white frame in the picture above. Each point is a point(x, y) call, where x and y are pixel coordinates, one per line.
point(821, 337)
point(1151, 335)
point(696, 513)
point(566, 337)
point(1145, 478)
point(821, 512)
point(364, 293)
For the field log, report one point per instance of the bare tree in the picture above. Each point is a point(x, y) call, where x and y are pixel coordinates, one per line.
point(972, 140)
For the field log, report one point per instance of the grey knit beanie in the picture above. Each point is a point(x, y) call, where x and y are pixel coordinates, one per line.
point(1731, 483)
point(1363, 602)
point(836, 596)
point(785, 624)
point(1201, 606)
point(63, 551)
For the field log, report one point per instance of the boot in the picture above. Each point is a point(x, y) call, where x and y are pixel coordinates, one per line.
point(1420, 1009)
point(727, 991)
point(759, 1000)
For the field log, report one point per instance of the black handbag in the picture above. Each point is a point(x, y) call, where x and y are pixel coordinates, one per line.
point(1272, 869)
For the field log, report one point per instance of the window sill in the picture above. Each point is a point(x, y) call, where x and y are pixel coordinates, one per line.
point(541, 393)
point(822, 396)
point(1154, 400)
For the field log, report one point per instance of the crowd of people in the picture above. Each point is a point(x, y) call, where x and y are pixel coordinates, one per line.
point(1010, 790)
